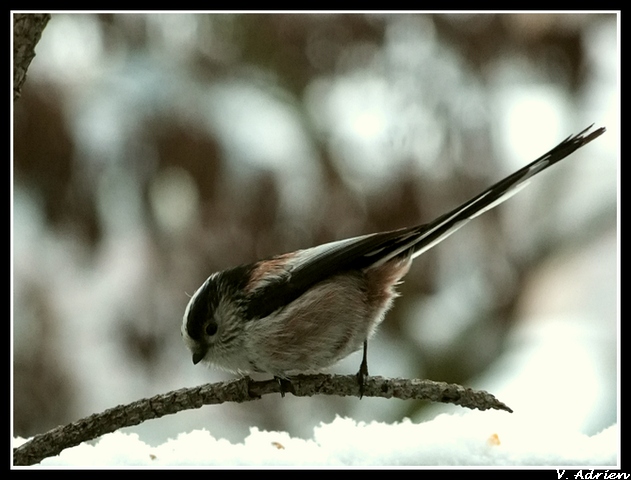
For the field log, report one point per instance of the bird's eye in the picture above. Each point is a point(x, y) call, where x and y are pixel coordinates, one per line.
point(211, 329)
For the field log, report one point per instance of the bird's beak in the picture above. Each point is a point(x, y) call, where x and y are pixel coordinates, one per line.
point(198, 357)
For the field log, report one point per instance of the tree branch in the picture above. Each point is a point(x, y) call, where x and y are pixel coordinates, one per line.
point(27, 30)
point(243, 390)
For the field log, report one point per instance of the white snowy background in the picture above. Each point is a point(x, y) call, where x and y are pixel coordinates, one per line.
point(100, 272)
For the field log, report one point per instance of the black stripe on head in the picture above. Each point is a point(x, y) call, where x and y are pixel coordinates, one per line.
point(227, 285)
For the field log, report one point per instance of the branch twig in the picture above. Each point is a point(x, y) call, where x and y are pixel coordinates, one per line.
point(243, 390)
point(27, 30)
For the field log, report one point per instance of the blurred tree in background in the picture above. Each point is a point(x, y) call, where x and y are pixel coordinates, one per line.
point(153, 149)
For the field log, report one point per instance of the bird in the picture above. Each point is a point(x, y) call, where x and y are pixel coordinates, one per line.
point(301, 312)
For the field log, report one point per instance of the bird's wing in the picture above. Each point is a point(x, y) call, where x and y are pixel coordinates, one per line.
point(301, 270)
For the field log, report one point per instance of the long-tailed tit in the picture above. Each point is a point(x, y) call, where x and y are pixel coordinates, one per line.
point(303, 311)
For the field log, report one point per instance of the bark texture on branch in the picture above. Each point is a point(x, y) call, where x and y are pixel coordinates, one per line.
point(244, 390)
point(27, 30)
